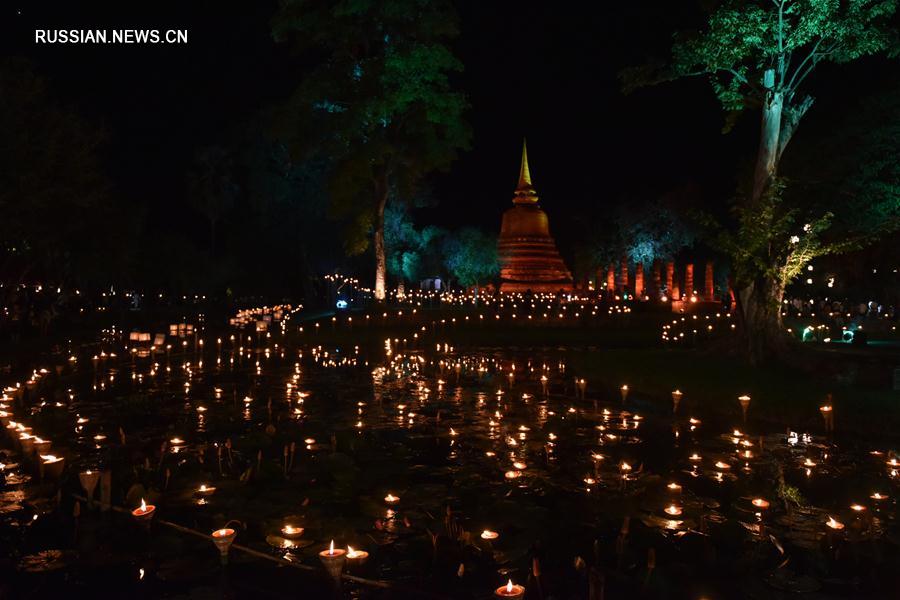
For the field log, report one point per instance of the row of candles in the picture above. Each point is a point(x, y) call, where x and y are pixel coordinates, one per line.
point(673, 509)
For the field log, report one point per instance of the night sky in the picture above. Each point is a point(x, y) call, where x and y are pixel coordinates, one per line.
point(543, 70)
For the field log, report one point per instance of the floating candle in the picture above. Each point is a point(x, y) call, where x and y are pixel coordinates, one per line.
point(144, 511)
point(510, 590)
point(673, 509)
point(487, 534)
point(290, 532)
point(760, 503)
point(332, 552)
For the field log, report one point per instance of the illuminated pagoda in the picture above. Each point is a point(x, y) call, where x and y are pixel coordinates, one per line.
point(528, 256)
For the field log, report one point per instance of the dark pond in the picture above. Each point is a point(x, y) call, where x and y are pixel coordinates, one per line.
point(456, 470)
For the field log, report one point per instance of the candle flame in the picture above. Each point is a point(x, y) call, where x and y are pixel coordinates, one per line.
point(331, 547)
point(143, 505)
point(509, 587)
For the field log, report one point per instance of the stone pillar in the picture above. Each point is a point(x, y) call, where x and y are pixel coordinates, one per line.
point(670, 280)
point(655, 280)
point(689, 280)
point(623, 276)
point(639, 280)
point(710, 283)
point(611, 280)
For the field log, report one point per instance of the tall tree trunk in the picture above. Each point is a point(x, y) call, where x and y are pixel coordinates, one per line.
point(381, 191)
point(759, 298)
point(759, 305)
point(769, 137)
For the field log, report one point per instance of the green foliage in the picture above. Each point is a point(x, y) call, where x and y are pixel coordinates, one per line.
point(757, 53)
point(411, 253)
point(642, 232)
point(772, 239)
point(744, 39)
point(59, 219)
point(211, 187)
point(863, 186)
point(379, 99)
point(471, 256)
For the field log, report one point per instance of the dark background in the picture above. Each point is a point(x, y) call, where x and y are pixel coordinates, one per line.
point(548, 71)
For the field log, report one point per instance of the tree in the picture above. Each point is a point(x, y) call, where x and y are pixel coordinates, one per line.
point(471, 257)
point(59, 219)
point(411, 253)
point(288, 201)
point(212, 189)
point(758, 55)
point(381, 99)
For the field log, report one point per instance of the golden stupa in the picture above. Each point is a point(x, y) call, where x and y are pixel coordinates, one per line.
point(528, 256)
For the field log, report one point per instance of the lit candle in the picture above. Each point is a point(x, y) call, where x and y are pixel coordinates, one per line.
point(836, 525)
point(487, 534)
point(332, 552)
point(674, 488)
point(52, 466)
point(290, 532)
point(760, 503)
point(333, 560)
point(510, 590)
point(745, 404)
point(223, 538)
point(391, 499)
point(144, 512)
point(356, 554)
point(205, 490)
point(673, 509)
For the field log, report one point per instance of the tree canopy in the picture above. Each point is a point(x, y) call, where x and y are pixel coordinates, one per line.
point(471, 256)
point(380, 98)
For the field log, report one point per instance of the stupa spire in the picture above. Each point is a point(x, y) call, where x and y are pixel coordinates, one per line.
point(525, 192)
point(524, 173)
